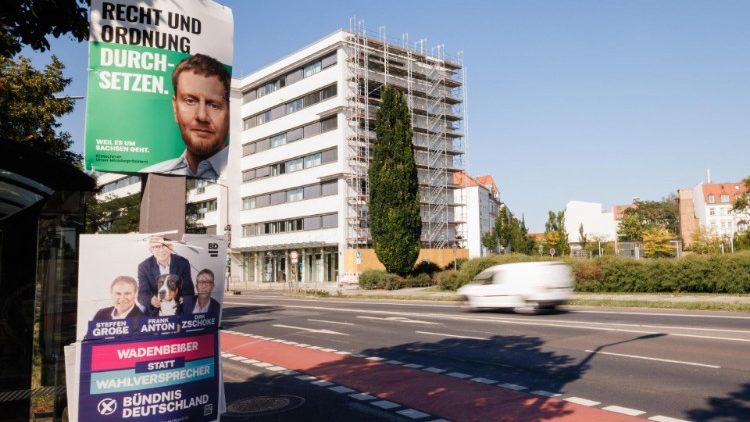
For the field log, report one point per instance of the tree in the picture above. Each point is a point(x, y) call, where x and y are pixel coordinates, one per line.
point(656, 242)
point(582, 236)
point(113, 215)
point(489, 241)
point(630, 228)
point(29, 22)
point(29, 107)
point(646, 215)
point(503, 227)
point(742, 203)
point(705, 242)
point(395, 220)
point(555, 235)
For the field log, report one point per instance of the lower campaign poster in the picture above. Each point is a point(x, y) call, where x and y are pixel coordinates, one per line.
point(148, 319)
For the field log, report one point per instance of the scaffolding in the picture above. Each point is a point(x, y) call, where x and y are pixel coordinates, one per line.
point(433, 86)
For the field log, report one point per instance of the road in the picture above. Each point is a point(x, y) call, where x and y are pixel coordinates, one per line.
point(654, 364)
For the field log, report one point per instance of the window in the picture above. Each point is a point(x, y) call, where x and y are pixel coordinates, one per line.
point(278, 140)
point(249, 230)
point(312, 191)
point(313, 68)
point(262, 201)
point(722, 211)
point(711, 199)
point(293, 106)
point(312, 223)
point(312, 129)
point(248, 96)
point(329, 156)
point(294, 195)
point(248, 203)
point(278, 198)
point(724, 198)
point(329, 60)
point(295, 225)
point(329, 188)
point(294, 135)
point(312, 160)
point(328, 124)
point(330, 221)
point(328, 92)
point(248, 149)
point(279, 168)
point(294, 165)
point(711, 211)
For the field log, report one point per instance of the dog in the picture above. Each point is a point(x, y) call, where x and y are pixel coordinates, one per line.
point(170, 294)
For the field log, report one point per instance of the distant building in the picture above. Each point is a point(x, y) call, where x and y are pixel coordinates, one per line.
point(711, 210)
point(597, 223)
point(482, 199)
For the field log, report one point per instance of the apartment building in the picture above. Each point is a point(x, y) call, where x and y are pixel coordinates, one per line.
point(307, 130)
point(712, 207)
point(482, 199)
point(596, 222)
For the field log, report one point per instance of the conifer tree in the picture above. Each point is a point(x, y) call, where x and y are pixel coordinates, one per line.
point(395, 220)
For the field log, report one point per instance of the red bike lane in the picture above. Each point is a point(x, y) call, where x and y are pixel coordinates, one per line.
point(441, 395)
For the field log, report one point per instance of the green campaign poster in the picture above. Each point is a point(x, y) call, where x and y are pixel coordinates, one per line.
point(135, 121)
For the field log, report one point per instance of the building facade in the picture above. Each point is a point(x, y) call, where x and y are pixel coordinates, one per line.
point(597, 223)
point(482, 199)
point(307, 129)
point(712, 205)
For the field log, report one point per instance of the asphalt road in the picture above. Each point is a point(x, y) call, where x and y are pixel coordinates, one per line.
point(654, 364)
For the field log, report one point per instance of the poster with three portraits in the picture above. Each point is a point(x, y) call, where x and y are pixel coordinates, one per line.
point(149, 311)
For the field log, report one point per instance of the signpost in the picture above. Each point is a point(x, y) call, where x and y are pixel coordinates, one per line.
point(551, 251)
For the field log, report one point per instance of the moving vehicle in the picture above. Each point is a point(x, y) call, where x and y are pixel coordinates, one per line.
point(523, 286)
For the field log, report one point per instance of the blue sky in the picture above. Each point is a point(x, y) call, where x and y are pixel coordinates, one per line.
point(597, 101)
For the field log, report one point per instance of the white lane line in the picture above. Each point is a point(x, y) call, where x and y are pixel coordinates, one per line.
point(399, 319)
point(330, 322)
point(509, 386)
point(276, 368)
point(460, 375)
point(341, 389)
point(581, 325)
point(375, 358)
point(450, 335)
point(394, 362)
point(413, 413)
point(312, 330)
point(484, 380)
point(322, 383)
point(305, 378)
point(413, 366)
point(434, 370)
point(660, 418)
point(704, 365)
point(581, 401)
point(660, 314)
point(545, 393)
point(624, 410)
point(362, 396)
point(263, 364)
point(385, 404)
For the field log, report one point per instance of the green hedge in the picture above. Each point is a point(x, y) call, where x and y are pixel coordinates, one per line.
point(452, 280)
point(689, 274)
point(377, 279)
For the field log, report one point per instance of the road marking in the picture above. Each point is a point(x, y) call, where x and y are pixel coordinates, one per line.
point(661, 314)
point(704, 365)
point(362, 396)
point(413, 413)
point(434, 370)
point(330, 322)
point(399, 319)
point(509, 386)
point(460, 375)
point(545, 393)
point(582, 402)
point(484, 380)
point(546, 323)
point(450, 335)
point(413, 366)
point(394, 362)
point(305, 377)
point(312, 330)
point(385, 404)
point(341, 389)
point(321, 383)
point(624, 410)
point(660, 418)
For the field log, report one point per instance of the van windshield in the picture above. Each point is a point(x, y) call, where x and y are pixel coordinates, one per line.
point(484, 277)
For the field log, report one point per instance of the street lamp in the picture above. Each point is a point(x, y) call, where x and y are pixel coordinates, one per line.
point(227, 232)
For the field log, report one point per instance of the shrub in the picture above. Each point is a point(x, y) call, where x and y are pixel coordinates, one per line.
point(418, 280)
point(374, 279)
point(451, 280)
point(456, 265)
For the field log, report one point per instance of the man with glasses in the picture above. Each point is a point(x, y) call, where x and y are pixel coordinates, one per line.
point(162, 261)
point(204, 303)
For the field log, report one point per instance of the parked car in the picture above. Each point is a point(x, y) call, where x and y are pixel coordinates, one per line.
point(523, 286)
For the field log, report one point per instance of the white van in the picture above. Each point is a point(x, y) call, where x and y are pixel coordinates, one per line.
point(523, 286)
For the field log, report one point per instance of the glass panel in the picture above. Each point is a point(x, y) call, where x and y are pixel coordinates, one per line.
point(294, 195)
point(294, 165)
point(329, 156)
point(328, 124)
point(312, 129)
point(312, 160)
point(313, 68)
point(328, 60)
point(312, 223)
point(330, 221)
point(329, 188)
point(312, 191)
point(278, 140)
point(294, 135)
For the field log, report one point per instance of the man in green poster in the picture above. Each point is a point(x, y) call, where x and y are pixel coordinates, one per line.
point(201, 110)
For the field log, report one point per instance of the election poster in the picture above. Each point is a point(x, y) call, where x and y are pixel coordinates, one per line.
point(159, 77)
point(149, 311)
